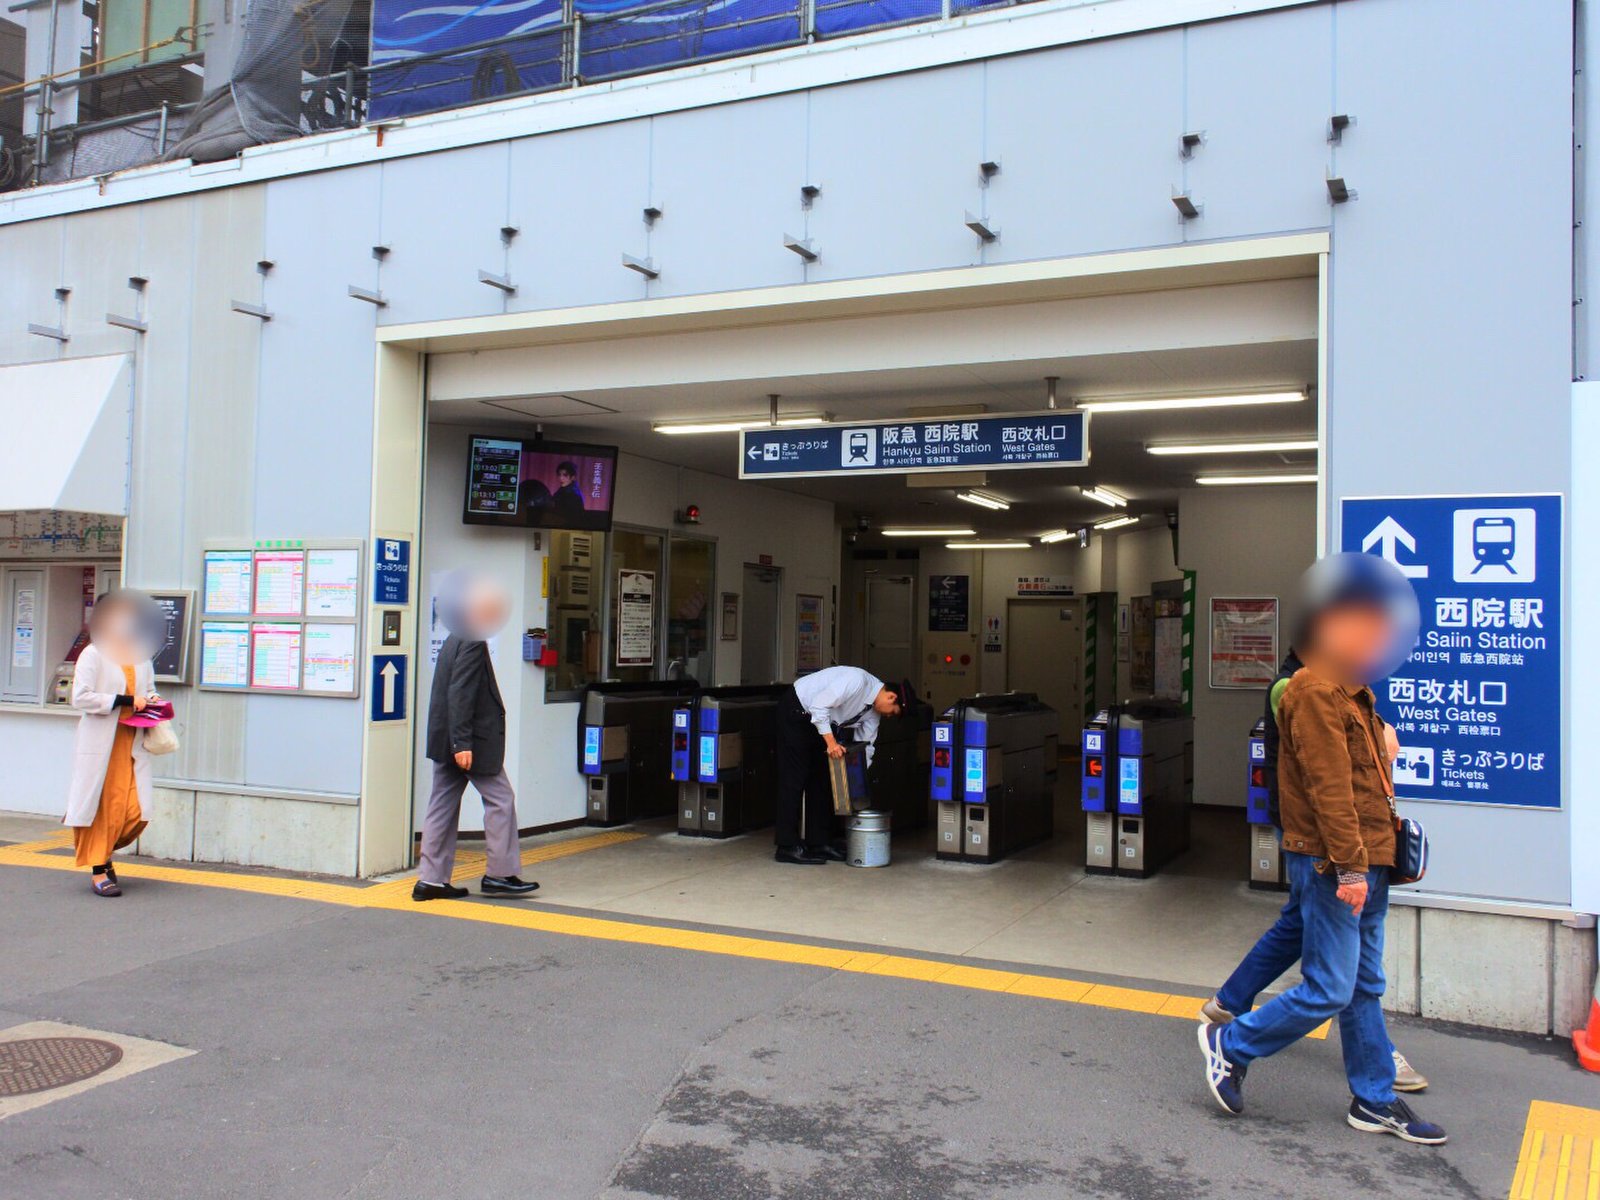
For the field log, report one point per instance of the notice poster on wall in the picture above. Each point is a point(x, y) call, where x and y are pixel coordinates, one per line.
point(1044, 585)
point(275, 657)
point(330, 581)
point(330, 659)
point(228, 576)
point(808, 633)
point(280, 583)
point(636, 618)
point(224, 654)
point(1244, 641)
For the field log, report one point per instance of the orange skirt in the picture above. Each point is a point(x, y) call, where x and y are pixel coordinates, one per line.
point(118, 821)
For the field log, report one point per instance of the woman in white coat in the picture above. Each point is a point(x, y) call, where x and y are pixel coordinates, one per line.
point(114, 679)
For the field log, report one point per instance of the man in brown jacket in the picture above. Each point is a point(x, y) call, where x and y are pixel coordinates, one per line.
point(1360, 620)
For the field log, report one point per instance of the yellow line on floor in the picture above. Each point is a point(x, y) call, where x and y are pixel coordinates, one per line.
point(395, 896)
point(471, 863)
point(1560, 1155)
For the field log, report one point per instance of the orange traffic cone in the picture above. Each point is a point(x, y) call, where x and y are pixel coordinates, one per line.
point(1586, 1041)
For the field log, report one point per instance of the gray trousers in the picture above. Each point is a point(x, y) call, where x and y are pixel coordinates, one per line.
point(440, 822)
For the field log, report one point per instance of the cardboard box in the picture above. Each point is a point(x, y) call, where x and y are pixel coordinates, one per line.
point(848, 776)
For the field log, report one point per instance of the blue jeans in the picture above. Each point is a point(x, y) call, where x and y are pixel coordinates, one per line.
point(1276, 951)
point(1341, 966)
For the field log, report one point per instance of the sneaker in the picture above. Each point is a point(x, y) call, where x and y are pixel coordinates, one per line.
point(1398, 1119)
point(1406, 1077)
point(1225, 1080)
point(1212, 1013)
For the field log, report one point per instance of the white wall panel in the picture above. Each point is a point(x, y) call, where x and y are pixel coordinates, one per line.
point(579, 199)
point(728, 180)
point(897, 161)
point(441, 216)
point(1259, 91)
point(30, 271)
point(1087, 139)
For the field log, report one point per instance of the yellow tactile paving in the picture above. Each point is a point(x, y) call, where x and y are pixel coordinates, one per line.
point(395, 896)
point(1560, 1157)
point(470, 863)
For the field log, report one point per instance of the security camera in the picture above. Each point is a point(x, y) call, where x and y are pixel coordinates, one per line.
point(862, 525)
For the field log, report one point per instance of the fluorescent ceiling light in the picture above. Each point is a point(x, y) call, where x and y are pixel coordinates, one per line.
point(1112, 404)
point(984, 500)
point(736, 424)
point(1115, 523)
point(910, 532)
point(1235, 480)
point(1105, 496)
point(988, 546)
point(1056, 535)
point(1284, 445)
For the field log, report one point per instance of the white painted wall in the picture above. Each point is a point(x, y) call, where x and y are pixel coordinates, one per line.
point(746, 520)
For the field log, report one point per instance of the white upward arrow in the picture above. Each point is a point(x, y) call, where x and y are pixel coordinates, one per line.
point(388, 672)
point(1389, 536)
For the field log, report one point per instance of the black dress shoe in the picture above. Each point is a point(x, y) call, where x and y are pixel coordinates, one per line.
point(437, 891)
point(830, 852)
point(507, 885)
point(799, 855)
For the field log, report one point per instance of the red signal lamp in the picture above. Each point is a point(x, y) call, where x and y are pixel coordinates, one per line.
point(689, 514)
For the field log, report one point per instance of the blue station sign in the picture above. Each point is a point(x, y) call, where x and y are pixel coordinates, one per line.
point(1477, 707)
point(1047, 439)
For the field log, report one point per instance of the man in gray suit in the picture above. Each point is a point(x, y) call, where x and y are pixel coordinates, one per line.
point(467, 743)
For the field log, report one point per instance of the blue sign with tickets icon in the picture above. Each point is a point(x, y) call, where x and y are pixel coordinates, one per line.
point(1048, 439)
point(391, 571)
point(1478, 705)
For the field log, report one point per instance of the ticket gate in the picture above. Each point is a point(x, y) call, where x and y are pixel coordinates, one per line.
point(992, 776)
point(1266, 853)
point(724, 760)
point(897, 779)
point(623, 749)
point(1138, 788)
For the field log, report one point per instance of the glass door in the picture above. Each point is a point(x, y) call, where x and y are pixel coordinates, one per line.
point(635, 584)
point(691, 586)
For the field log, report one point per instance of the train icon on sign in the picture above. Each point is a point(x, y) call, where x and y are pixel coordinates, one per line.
point(859, 448)
point(1494, 545)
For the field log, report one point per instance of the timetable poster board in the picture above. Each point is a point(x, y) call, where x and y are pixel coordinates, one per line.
point(229, 586)
point(275, 657)
point(224, 654)
point(331, 581)
point(280, 583)
point(329, 655)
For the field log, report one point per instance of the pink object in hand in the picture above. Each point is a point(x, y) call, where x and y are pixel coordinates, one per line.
point(153, 714)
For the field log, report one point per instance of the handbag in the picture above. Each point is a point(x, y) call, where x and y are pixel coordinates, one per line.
point(160, 739)
point(1410, 840)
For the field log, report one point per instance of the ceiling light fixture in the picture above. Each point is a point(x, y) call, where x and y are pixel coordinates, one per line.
point(914, 532)
point(1056, 535)
point(736, 424)
point(988, 546)
point(1115, 523)
point(1112, 404)
point(1236, 480)
point(984, 500)
point(1283, 446)
point(1105, 496)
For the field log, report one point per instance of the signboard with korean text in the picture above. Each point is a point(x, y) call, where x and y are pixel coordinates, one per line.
point(1048, 439)
point(949, 603)
point(1478, 705)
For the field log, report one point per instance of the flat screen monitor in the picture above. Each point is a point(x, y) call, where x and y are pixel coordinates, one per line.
point(534, 483)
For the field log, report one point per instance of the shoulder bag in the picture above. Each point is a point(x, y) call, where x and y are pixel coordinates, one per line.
point(1410, 841)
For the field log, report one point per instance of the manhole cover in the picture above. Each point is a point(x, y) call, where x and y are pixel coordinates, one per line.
point(32, 1065)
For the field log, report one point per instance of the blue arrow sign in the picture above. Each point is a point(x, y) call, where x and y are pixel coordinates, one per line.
point(388, 687)
point(1477, 707)
point(1047, 439)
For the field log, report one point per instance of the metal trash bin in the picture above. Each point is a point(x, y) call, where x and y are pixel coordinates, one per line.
point(868, 844)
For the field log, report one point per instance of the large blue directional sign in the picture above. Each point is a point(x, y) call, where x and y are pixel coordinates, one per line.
point(1047, 439)
point(1478, 706)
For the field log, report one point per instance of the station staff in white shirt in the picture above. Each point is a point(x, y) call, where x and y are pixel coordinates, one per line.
point(816, 710)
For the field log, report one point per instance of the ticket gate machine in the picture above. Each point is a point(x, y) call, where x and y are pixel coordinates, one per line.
point(724, 760)
point(897, 779)
point(1266, 853)
point(993, 775)
point(623, 749)
point(1138, 779)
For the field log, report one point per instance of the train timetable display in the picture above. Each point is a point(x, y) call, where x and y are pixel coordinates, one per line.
point(494, 473)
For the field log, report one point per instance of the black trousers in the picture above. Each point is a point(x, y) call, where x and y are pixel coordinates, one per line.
point(802, 777)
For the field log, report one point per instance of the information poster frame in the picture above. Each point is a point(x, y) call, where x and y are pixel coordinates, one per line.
point(328, 589)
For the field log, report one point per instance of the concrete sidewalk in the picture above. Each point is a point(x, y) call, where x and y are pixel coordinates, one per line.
point(374, 1052)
